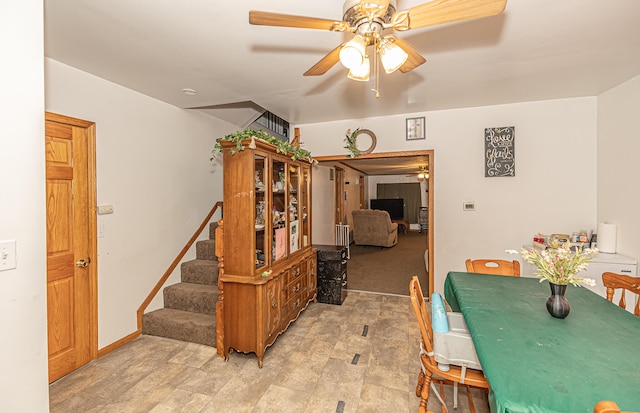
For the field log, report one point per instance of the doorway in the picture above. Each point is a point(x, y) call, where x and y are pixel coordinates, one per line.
point(72, 316)
point(400, 164)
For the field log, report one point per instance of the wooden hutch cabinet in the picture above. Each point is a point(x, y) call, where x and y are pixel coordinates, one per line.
point(268, 268)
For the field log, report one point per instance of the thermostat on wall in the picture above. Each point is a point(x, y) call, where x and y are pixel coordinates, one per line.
point(469, 206)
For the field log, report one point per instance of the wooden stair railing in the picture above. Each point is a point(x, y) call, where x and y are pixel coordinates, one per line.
point(173, 265)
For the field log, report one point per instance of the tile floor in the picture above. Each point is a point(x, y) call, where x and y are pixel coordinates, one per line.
point(359, 357)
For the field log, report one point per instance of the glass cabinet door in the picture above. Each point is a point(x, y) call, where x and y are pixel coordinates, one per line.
point(304, 203)
point(294, 223)
point(260, 165)
point(278, 210)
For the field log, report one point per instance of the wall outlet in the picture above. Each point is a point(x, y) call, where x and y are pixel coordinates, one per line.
point(469, 206)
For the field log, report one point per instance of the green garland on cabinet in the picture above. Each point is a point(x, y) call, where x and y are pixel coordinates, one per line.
point(286, 148)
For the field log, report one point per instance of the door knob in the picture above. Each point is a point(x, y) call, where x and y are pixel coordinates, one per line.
point(83, 263)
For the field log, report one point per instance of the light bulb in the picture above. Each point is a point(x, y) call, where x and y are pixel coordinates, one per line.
point(391, 55)
point(353, 52)
point(360, 73)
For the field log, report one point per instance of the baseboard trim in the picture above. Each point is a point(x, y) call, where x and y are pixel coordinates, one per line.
point(117, 344)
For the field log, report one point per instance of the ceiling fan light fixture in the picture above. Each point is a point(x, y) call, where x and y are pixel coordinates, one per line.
point(391, 55)
point(353, 53)
point(423, 174)
point(361, 73)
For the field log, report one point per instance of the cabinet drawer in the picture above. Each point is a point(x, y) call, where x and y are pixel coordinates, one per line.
point(294, 305)
point(293, 273)
point(295, 293)
point(296, 287)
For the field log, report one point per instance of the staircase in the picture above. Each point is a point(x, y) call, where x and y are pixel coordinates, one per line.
point(189, 312)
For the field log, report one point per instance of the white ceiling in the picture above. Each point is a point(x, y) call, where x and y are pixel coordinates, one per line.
point(542, 49)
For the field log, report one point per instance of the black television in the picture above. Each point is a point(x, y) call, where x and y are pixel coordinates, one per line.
point(394, 206)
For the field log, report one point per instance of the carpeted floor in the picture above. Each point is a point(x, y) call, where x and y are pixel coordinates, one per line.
point(388, 270)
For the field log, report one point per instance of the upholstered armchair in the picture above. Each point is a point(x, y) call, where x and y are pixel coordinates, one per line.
point(374, 227)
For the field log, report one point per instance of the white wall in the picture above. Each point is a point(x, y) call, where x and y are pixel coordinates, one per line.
point(153, 167)
point(322, 196)
point(554, 189)
point(23, 299)
point(323, 220)
point(618, 150)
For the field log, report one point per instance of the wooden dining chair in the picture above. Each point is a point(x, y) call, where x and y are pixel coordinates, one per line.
point(624, 283)
point(495, 267)
point(607, 406)
point(430, 372)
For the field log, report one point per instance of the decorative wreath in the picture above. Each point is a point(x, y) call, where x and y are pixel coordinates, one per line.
point(352, 145)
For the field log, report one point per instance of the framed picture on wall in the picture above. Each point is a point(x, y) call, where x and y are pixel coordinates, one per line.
point(415, 129)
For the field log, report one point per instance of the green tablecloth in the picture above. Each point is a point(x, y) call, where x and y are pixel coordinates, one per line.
point(537, 363)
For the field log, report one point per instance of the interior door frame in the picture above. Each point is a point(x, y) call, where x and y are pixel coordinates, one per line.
point(92, 269)
point(430, 153)
point(339, 202)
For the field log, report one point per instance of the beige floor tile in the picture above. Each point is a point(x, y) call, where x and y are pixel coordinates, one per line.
point(350, 344)
point(391, 353)
point(206, 382)
point(79, 403)
point(140, 399)
point(377, 399)
point(182, 401)
point(385, 375)
point(194, 355)
point(303, 368)
point(244, 389)
point(328, 401)
point(77, 382)
point(280, 400)
point(308, 369)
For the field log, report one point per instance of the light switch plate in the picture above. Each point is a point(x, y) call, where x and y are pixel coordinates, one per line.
point(105, 209)
point(7, 255)
point(469, 206)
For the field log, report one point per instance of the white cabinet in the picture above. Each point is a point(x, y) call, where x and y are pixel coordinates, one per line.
point(602, 262)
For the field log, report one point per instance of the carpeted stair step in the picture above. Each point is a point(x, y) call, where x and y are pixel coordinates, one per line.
point(212, 230)
point(181, 325)
point(206, 249)
point(197, 298)
point(200, 272)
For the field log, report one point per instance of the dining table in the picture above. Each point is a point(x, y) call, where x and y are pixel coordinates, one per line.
point(536, 363)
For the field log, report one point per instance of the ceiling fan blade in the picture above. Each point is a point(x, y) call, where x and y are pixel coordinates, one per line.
point(448, 11)
point(325, 63)
point(414, 60)
point(264, 18)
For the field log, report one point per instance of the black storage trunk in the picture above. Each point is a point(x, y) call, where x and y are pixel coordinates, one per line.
point(332, 273)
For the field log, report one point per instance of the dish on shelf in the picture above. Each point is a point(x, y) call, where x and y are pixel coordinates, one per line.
point(259, 226)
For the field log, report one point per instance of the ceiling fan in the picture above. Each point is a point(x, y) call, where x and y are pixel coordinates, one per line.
point(368, 19)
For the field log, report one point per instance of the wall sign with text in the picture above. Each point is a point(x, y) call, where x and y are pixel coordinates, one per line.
point(499, 151)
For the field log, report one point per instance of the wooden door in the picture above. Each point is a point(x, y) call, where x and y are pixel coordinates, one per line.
point(71, 243)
